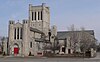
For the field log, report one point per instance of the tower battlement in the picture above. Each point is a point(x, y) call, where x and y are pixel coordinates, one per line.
point(11, 22)
point(25, 21)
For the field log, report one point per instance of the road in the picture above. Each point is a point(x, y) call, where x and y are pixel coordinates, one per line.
point(31, 59)
point(48, 60)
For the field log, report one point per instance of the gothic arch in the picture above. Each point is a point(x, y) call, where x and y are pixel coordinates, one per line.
point(16, 45)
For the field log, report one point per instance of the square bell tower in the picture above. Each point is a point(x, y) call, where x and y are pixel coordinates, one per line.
point(39, 17)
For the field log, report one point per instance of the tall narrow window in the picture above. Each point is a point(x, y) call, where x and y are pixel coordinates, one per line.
point(15, 33)
point(32, 15)
point(35, 15)
point(41, 15)
point(18, 33)
point(38, 16)
point(21, 33)
point(30, 44)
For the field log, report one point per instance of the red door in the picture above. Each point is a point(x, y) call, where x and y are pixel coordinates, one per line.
point(16, 50)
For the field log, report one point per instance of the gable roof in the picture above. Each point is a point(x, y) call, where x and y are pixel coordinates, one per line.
point(64, 34)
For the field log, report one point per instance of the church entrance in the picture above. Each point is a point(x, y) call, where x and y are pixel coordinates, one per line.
point(63, 49)
point(16, 49)
point(69, 51)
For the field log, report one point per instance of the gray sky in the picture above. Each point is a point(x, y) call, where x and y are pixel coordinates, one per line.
point(63, 13)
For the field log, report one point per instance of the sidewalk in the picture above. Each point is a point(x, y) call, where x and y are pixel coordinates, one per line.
point(1, 56)
point(23, 57)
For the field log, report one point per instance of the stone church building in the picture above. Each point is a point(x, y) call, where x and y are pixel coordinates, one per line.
point(23, 36)
point(33, 35)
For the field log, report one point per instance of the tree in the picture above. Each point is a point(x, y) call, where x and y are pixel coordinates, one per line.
point(87, 40)
point(81, 40)
point(2, 40)
point(98, 47)
point(73, 37)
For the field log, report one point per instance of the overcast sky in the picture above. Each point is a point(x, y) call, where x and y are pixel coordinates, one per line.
point(63, 13)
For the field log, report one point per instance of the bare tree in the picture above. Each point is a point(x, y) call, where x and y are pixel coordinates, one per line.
point(82, 39)
point(98, 47)
point(73, 37)
point(2, 40)
point(71, 28)
point(87, 40)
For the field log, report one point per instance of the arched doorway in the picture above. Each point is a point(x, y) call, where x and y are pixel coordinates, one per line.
point(69, 51)
point(16, 49)
point(63, 49)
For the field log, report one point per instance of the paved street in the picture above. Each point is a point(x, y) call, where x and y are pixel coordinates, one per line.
point(98, 56)
point(31, 59)
point(48, 60)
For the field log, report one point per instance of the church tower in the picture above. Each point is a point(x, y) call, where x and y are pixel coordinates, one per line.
point(39, 17)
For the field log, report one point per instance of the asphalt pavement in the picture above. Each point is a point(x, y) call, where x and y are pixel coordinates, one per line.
point(44, 59)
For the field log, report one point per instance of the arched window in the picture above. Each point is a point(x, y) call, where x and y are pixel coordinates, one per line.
point(30, 44)
point(32, 15)
point(21, 32)
point(35, 15)
point(41, 15)
point(38, 16)
point(15, 33)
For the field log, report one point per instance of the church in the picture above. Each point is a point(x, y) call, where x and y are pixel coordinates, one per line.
point(34, 36)
point(24, 37)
